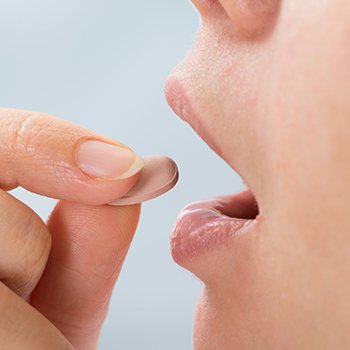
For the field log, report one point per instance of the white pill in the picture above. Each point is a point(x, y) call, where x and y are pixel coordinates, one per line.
point(158, 176)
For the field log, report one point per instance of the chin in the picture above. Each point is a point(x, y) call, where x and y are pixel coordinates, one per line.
point(211, 330)
point(227, 320)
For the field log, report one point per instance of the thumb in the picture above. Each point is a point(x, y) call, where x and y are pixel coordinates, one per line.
point(89, 245)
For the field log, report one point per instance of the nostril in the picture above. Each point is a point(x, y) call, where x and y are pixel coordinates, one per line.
point(207, 2)
point(208, 7)
point(252, 17)
point(204, 3)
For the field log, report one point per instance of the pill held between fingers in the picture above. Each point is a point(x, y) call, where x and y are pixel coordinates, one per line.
point(158, 176)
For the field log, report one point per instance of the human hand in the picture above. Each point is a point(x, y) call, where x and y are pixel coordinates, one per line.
point(56, 279)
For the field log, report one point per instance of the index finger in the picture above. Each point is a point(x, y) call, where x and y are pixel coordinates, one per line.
point(55, 158)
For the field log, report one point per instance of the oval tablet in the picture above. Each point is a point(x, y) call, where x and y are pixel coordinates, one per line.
point(158, 176)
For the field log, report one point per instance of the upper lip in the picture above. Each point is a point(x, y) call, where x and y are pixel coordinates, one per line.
point(175, 95)
point(181, 104)
point(179, 101)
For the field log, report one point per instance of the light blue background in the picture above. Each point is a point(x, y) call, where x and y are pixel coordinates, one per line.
point(103, 64)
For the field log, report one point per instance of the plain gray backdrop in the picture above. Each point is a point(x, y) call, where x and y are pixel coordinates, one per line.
point(102, 64)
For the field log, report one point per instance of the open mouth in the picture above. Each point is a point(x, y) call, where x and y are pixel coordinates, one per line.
point(239, 206)
point(207, 225)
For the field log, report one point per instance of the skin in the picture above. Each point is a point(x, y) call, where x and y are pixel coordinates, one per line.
point(270, 81)
point(268, 84)
point(56, 278)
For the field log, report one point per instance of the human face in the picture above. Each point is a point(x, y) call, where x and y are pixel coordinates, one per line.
point(267, 86)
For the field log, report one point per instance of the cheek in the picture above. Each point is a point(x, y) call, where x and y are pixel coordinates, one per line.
point(305, 117)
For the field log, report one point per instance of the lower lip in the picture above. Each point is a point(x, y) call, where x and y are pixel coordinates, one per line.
point(205, 226)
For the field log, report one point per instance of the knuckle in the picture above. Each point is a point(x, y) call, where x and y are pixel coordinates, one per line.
point(35, 249)
point(24, 132)
point(36, 246)
point(31, 240)
point(27, 133)
point(30, 266)
point(4, 296)
point(12, 130)
point(25, 244)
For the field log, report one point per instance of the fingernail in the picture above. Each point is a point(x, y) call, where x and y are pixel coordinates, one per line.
point(107, 161)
